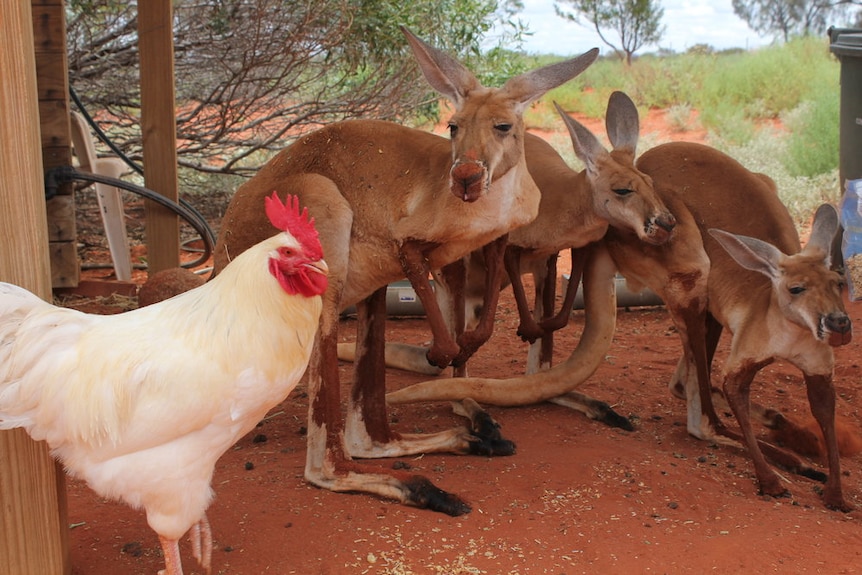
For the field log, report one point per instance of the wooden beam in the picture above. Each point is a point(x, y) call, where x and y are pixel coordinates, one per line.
point(33, 522)
point(158, 123)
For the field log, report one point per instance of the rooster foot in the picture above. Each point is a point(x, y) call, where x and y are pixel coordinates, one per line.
point(202, 543)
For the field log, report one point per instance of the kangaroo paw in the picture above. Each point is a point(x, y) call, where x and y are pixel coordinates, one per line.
point(604, 413)
point(425, 495)
point(488, 439)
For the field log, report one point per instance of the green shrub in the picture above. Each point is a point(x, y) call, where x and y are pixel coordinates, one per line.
point(813, 126)
point(765, 153)
point(762, 83)
point(728, 122)
point(769, 82)
point(663, 82)
point(679, 117)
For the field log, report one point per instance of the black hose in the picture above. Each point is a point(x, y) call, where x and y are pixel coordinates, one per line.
point(102, 136)
point(207, 236)
point(67, 174)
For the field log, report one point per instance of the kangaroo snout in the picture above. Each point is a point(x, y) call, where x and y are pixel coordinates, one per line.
point(468, 180)
point(840, 328)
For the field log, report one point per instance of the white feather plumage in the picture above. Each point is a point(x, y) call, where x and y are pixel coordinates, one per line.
point(142, 404)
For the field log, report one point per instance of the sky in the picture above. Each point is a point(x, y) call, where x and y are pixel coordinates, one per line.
point(687, 22)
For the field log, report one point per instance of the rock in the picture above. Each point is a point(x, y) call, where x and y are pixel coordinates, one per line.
point(166, 284)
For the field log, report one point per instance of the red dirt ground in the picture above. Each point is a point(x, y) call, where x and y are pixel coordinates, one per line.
point(577, 497)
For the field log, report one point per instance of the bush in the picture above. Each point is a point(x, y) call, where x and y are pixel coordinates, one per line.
point(813, 144)
point(679, 117)
point(765, 153)
point(761, 84)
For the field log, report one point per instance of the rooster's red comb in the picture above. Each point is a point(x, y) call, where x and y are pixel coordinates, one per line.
point(288, 217)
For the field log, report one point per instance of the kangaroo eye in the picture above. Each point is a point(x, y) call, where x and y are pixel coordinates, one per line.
point(453, 129)
point(796, 290)
point(504, 128)
point(623, 192)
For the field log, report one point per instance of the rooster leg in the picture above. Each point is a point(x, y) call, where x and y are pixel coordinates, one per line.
point(171, 551)
point(202, 543)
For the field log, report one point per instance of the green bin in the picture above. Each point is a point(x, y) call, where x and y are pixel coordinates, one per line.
point(846, 44)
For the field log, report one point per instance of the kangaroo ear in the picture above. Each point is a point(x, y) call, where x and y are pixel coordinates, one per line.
point(622, 122)
point(533, 84)
point(751, 253)
point(823, 231)
point(587, 146)
point(445, 74)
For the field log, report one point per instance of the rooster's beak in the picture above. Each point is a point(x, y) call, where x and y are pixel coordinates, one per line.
point(319, 266)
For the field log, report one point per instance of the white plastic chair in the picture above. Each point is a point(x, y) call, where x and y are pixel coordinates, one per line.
point(109, 197)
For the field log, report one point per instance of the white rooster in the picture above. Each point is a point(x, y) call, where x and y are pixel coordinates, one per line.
point(142, 404)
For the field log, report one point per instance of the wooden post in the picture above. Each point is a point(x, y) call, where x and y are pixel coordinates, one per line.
point(52, 81)
point(158, 122)
point(33, 523)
